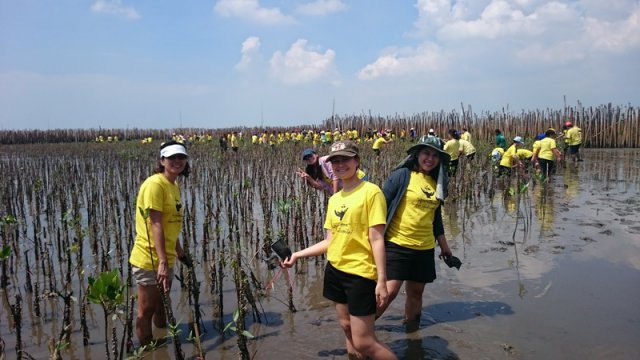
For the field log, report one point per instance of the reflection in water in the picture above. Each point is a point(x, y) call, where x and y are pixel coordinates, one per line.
point(544, 200)
point(571, 178)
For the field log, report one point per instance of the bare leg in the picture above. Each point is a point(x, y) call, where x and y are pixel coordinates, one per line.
point(413, 305)
point(159, 316)
point(148, 298)
point(345, 323)
point(393, 288)
point(365, 341)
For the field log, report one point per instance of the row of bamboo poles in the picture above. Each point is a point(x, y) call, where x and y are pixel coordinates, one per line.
point(604, 126)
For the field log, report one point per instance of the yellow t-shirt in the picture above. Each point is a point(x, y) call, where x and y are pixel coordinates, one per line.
point(453, 148)
point(546, 149)
point(574, 136)
point(465, 136)
point(412, 224)
point(466, 147)
point(349, 217)
point(159, 194)
point(536, 145)
point(524, 154)
point(378, 143)
point(507, 158)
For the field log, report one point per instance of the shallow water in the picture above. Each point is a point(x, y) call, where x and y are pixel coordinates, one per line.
point(551, 274)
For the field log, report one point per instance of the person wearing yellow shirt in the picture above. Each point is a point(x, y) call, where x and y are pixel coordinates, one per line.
point(547, 154)
point(354, 134)
point(525, 156)
point(573, 138)
point(156, 246)
point(414, 193)
point(452, 147)
point(377, 143)
point(510, 157)
point(355, 276)
point(233, 140)
point(465, 135)
point(467, 149)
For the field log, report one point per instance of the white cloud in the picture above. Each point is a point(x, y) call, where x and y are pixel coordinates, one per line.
point(426, 58)
point(321, 7)
point(250, 49)
point(569, 36)
point(498, 19)
point(115, 7)
point(300, 64)
point(616, 36)
point(252, 11)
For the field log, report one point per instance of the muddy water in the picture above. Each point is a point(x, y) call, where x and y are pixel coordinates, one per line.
point(550, 274)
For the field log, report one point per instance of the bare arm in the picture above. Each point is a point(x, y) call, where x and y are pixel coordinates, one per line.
point(158, 241)
point(308, 180)
point(313, 250)
point(376, 238)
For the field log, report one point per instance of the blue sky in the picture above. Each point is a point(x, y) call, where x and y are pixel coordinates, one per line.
point(163, 64)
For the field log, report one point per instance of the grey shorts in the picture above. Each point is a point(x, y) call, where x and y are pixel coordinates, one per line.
point(147, 277)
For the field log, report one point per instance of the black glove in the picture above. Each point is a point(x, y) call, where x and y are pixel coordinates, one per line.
point(452, 261)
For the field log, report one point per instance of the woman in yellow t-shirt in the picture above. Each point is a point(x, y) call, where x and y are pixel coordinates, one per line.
point(414, 193)
point(452, 147)
point(158, 225)
point(355, 275)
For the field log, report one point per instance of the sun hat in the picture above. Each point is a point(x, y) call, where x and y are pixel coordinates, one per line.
point(171, 148)
point(431, 131)
point(433, 142)
point(343, 148)
point(307, 152)
point(568, 124)
point(518, 139)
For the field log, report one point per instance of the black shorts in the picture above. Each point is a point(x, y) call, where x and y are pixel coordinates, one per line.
point(573, 149)
point(471, 156)
point(546, 166)
point(409, 264)
point(357, 292)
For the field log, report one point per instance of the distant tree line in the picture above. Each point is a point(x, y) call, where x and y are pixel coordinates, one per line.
point(604, 126)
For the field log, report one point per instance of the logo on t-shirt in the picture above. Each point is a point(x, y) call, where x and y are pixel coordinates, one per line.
point(178, 206)
point(428, 193)
point(340, 214)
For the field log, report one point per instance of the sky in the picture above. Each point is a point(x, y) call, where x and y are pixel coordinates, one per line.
point(228, 63)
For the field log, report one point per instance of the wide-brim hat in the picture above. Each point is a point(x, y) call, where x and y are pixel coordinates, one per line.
point(433, 142)
point(343, 148)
